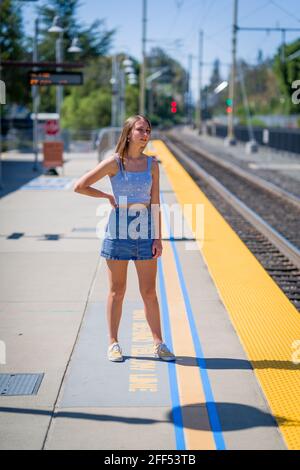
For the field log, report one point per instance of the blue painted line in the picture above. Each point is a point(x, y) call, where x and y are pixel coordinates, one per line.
point(210, 402)
point(176, 410)
point(43, 187)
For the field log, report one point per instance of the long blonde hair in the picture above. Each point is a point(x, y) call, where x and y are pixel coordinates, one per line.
point(123, 143)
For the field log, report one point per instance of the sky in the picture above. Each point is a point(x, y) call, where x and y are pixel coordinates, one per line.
point(174, 25)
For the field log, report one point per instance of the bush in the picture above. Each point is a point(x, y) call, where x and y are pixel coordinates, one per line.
point(88, 112)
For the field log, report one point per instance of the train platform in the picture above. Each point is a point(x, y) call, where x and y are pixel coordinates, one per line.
point(235, 382)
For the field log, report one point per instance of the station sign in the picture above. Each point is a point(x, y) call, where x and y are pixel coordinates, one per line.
point(51, 127)
point(44, 78)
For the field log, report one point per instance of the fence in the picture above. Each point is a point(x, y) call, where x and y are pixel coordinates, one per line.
point(277, 138)
point(107, 139)
point(17, 134)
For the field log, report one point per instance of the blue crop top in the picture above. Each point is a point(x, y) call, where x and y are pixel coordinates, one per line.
point(132, 186)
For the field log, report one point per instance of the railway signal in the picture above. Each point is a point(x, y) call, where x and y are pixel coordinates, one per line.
point(229, 106)
point(174, 107)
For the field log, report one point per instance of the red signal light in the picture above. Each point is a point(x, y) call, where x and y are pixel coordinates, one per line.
point(174, 107)
point(229, 109)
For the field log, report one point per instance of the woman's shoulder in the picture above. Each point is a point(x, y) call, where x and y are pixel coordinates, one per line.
point(153, 157)
point(112, 161)
point(154, 161)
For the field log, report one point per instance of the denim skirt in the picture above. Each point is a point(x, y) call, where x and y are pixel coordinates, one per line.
point(129, 234)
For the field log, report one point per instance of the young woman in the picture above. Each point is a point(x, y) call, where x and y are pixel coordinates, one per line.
point(135, 183)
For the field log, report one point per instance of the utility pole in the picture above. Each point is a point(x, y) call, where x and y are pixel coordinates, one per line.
point(251, 145)
point(230, 139)
point(200, 61)
point(143, 65)
point(114, 83)
point(282, 45)
point(59, 59)
point(36, 98)
point(190, 111)
point(122, 96)
point(267, 30)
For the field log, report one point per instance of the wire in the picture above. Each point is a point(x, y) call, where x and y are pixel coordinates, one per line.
point(207, 11)
point(196, 24)
point(179, 3)
point(292, 15)
point(242, 18)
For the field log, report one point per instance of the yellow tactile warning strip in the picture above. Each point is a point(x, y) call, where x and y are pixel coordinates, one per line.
point(267, 323)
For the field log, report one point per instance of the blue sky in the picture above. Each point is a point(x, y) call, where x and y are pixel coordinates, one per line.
point(180, 21)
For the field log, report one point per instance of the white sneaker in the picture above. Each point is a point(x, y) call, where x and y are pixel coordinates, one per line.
point(114, 353)
point(162, 351)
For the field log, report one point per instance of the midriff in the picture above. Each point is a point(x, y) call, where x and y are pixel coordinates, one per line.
point(135, 204)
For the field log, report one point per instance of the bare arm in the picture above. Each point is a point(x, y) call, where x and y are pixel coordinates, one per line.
point(155, 201)
point(83, 185)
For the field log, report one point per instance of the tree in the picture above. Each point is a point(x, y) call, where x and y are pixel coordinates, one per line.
point(88, 112)
point(211, 100)
point(215, 78)
point(89, 106)
point(260, 57)
point(94, 41)
point(12, 47)
point(170, 86)
point(287, 72)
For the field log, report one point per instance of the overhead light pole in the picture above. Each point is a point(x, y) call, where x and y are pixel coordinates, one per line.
point(75, 46)
point(35, 98)
point(56, 28)
point(120, 69)
point(143, 64)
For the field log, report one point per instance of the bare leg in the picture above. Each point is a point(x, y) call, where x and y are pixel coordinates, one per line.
point(146, 270)
point(117, 273)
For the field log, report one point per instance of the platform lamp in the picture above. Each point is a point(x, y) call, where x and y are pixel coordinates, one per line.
point(75, 46)
point(57, 28)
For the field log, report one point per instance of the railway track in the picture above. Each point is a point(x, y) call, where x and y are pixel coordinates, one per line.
point(270, 222)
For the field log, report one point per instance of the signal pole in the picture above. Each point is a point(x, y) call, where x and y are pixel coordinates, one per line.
point(190, 111)
point(143, 65)
point(200, 61)
point(230, 139)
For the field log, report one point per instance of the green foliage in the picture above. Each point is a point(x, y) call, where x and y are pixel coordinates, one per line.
point(94, 39)
point(11, 31)
point(12, 47)
point(132, 100)
point(170, 86)
point(268, 92)
point(88, 112)
point(254, 122)
point(287, 72)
